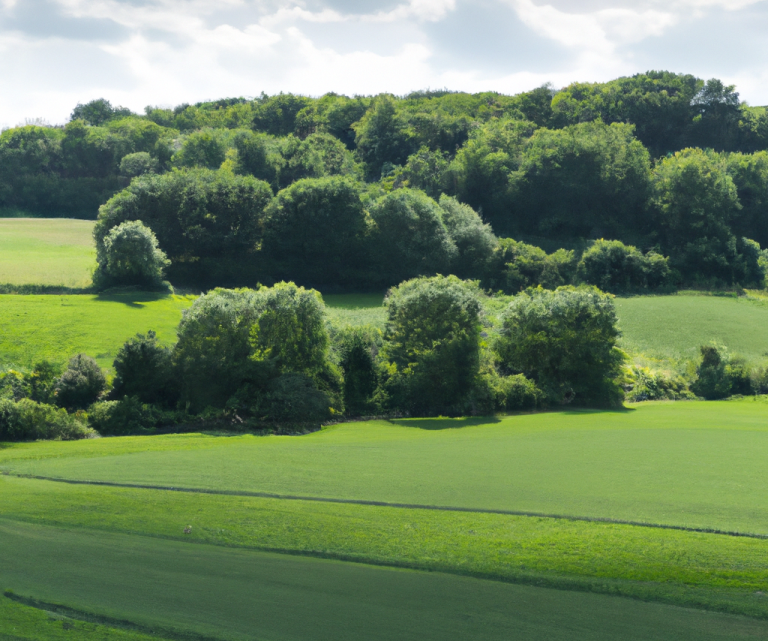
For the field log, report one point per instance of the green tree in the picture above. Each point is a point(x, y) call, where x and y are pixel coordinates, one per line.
point(209, 223)
point(515, 266)
point(615, 267)
point(695, 202)
point(314, 232)
point(474, 240)
point(566, 341)
point(137, 164)
point(383, 136)
point(81, 384)
point(409, 238)
point(432, 345)
point(276, 115)
point(98, 112)
point(130, 255)
point(206, 148)
point(143, 369)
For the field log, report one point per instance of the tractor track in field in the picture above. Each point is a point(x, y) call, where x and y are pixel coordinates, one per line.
point(404, 506)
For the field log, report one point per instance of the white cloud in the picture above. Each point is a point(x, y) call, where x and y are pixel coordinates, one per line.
point(172, 51)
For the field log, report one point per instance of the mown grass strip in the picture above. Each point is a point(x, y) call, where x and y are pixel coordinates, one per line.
point(407, 506)
point(685, 568)
point(245, 594)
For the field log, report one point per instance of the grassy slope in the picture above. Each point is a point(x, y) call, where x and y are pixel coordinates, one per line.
point(57, 327)
point(697, 464)
point(239, 594)
point(42, 251)
point(22, 622)
point(675, 326)
point(704, 570)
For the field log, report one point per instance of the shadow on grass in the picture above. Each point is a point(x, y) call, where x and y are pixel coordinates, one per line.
point(135, 299)
point(443, 423)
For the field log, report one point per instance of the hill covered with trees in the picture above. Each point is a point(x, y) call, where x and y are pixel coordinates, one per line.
point(363, 192)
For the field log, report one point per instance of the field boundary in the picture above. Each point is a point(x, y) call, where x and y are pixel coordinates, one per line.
point(406, 506)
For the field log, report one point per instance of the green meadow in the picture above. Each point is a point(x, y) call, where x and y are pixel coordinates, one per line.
point(55, 327)
point(46, 251)
point(487, 573)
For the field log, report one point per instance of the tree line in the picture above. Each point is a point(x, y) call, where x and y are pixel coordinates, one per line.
point(269, 359)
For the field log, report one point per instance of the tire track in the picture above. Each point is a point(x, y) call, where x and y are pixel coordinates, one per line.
point(404, 506)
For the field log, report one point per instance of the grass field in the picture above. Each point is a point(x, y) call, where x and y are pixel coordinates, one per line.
point(46, 251)
point(175, 587)
point(50, 327)
point(696, 464)
point(673, 327)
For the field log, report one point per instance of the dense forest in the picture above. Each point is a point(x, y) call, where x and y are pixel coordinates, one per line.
point(365, 192)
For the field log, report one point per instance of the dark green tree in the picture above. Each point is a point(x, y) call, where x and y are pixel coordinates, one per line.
point(566, 341)
point(432, 345)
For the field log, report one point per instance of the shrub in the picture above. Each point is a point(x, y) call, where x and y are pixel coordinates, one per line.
point(130, 255)
point(515, 266)
point(143, 368)
point(126, 416)
point(27, 420)
point(293, 398)
point(357, 349)
point(137, 164)
point(432, 344)
point(718, 375)
point(615, 267)
point(565, 340)
point(656, 386)
point(81, 384)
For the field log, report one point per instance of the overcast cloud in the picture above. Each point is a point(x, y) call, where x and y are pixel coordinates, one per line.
point(56, 53)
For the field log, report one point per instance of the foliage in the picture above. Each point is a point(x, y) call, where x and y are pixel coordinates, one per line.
point(129, 255)
point(409, 237)
point(314, 232)
point(432, 344)
point(206, 148)
point(357, 348)
point(648, 385)
point(718, 375)
point(98, 112)
point(695, 201)
point(382, 136)
point(28, 420)
point(143, 369)
point(81, 383)
point(126, 416)
point(615, 267)
point(565, 340)
point(515, 266)
point(137, 164)
point(474, 240)
point(207, 222)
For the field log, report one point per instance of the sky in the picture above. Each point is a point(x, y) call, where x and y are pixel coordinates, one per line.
point(57, 53)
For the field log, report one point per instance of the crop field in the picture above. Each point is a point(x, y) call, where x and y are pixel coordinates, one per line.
point(37, 327)
point(41, 251)
point(286, 516)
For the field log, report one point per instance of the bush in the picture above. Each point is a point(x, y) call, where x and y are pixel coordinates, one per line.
point(656, 386)
point(143, 368)
point(357, 348)
point(81, 384)
point(137, 164)
point(126, 416)
point(234, 343)
point(293, 398)
point(515, 266)
point(718, 375)
point(615, 267)
point(27, 420)
point(565, 340)
point(129, 255)
point(432, 345)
